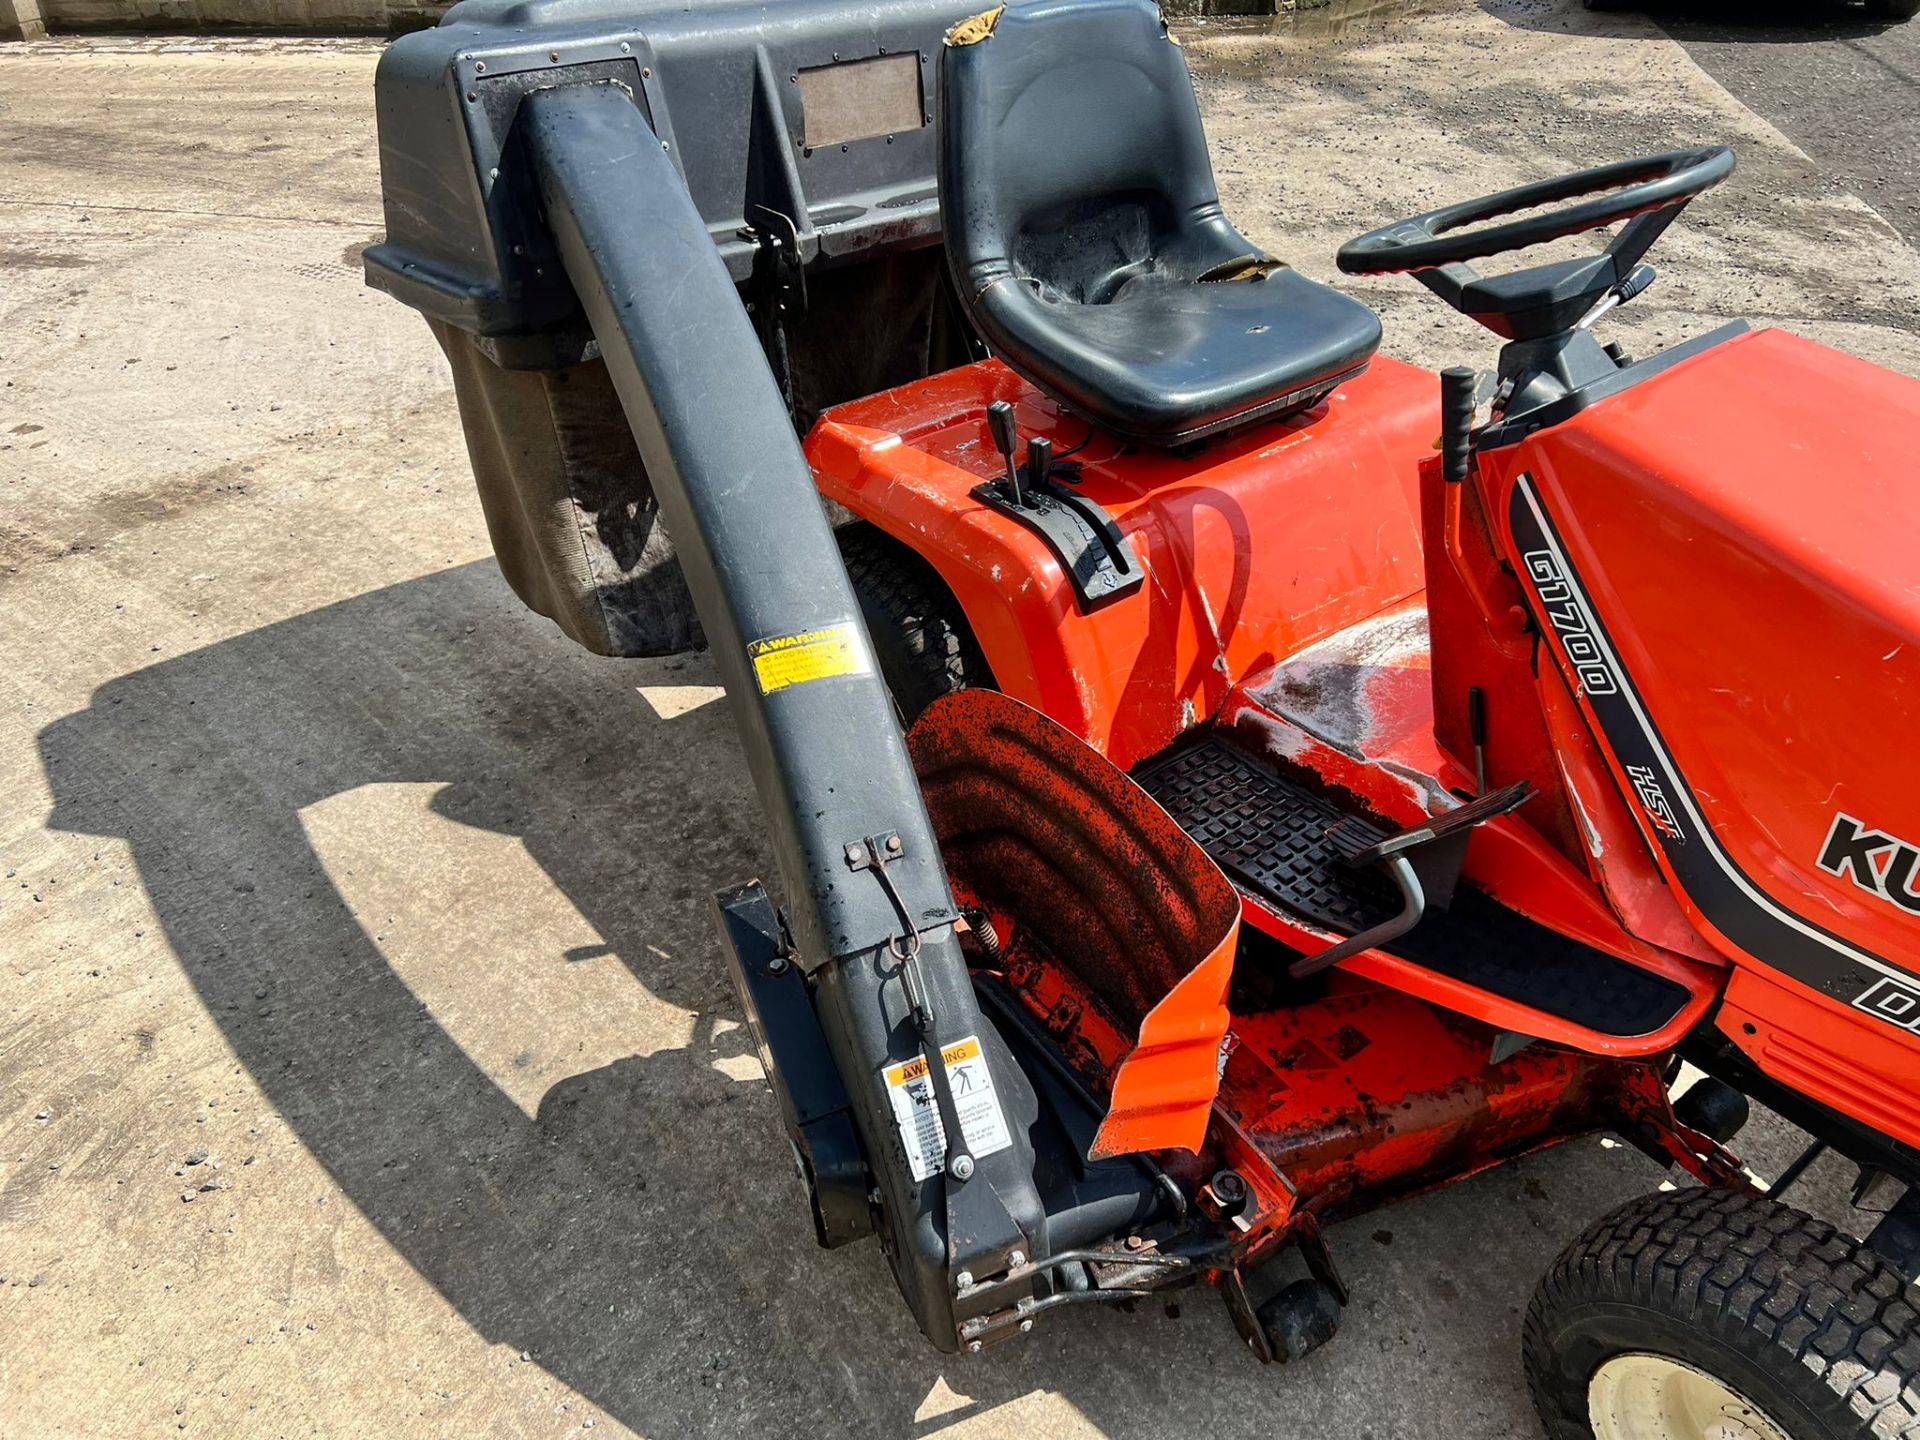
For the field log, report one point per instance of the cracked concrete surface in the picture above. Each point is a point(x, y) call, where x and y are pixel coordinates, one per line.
point(368, 1063)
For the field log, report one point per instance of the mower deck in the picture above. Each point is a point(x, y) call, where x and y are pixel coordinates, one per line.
point(1365, 1094)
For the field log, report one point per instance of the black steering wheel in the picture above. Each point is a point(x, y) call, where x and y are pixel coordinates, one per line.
point(1639, 187)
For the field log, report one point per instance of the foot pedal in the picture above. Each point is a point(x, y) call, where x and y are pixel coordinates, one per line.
point(1423, 861)
point(1292, 850)
point(1438, 846)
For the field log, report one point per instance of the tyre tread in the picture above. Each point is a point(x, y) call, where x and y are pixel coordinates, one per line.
point(923, 642)
point(1777, 1285)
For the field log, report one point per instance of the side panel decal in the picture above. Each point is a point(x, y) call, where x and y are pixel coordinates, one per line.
point(1738, 908)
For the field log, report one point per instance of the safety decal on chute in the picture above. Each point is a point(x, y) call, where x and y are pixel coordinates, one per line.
point(785, 660)
point(917, 1114)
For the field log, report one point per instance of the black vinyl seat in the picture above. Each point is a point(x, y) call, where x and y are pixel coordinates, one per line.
point(1087, 239)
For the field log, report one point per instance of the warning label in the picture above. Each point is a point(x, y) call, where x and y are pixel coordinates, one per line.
point(917, 1114)
point(811, 655)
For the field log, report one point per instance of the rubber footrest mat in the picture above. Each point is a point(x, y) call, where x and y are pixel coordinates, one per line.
point(1275, 838)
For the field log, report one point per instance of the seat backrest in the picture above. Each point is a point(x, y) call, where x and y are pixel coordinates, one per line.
point(1071, 149)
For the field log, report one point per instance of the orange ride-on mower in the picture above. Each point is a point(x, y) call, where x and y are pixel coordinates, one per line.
point(1292, 813)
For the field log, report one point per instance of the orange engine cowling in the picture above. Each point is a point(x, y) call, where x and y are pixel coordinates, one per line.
point(1724, 558)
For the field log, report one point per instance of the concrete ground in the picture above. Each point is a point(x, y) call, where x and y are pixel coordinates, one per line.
point(1841, 86)
point(369, 1067)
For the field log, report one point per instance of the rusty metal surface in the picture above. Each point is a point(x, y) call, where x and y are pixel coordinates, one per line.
point(1366, 1094)
point(1073, 862)
point(1363, 695)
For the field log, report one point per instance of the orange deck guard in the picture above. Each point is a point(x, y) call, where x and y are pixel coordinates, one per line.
point(1077, 863)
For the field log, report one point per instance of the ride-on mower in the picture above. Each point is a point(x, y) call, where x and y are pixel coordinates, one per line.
point(1223, 779)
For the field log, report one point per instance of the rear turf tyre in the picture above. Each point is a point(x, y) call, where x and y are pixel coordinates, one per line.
point(920, 635)
point(1893, 9)
point(1722, 1313)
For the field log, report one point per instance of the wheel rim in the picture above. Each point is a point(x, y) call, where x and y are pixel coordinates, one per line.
point(1652, 1397)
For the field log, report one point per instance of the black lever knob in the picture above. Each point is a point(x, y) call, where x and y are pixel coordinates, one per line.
point(1000, 423)
point(1458, 386)
point(1005, 440)
point(1039, 461)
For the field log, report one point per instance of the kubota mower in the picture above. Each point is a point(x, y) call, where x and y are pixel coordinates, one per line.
point(1222, 778)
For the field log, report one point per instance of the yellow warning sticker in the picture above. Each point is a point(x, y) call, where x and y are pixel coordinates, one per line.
point(811, 655)
point(916, 1113)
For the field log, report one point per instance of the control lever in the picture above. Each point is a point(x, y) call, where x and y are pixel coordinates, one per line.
point(1005, 438)
point(1634, 285)
point(1039, 463)
point(1458, 387)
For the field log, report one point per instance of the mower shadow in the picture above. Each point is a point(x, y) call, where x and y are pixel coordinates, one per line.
point(1767, 21)
point(641, 1235)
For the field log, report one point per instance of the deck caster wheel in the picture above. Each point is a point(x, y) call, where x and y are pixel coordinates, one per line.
point(1714, 1108)
point(1720, 1313)
point(1300, 1319)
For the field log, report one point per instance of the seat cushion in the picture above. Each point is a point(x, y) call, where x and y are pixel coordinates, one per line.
point(1168, 359)
point(1087, 239)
